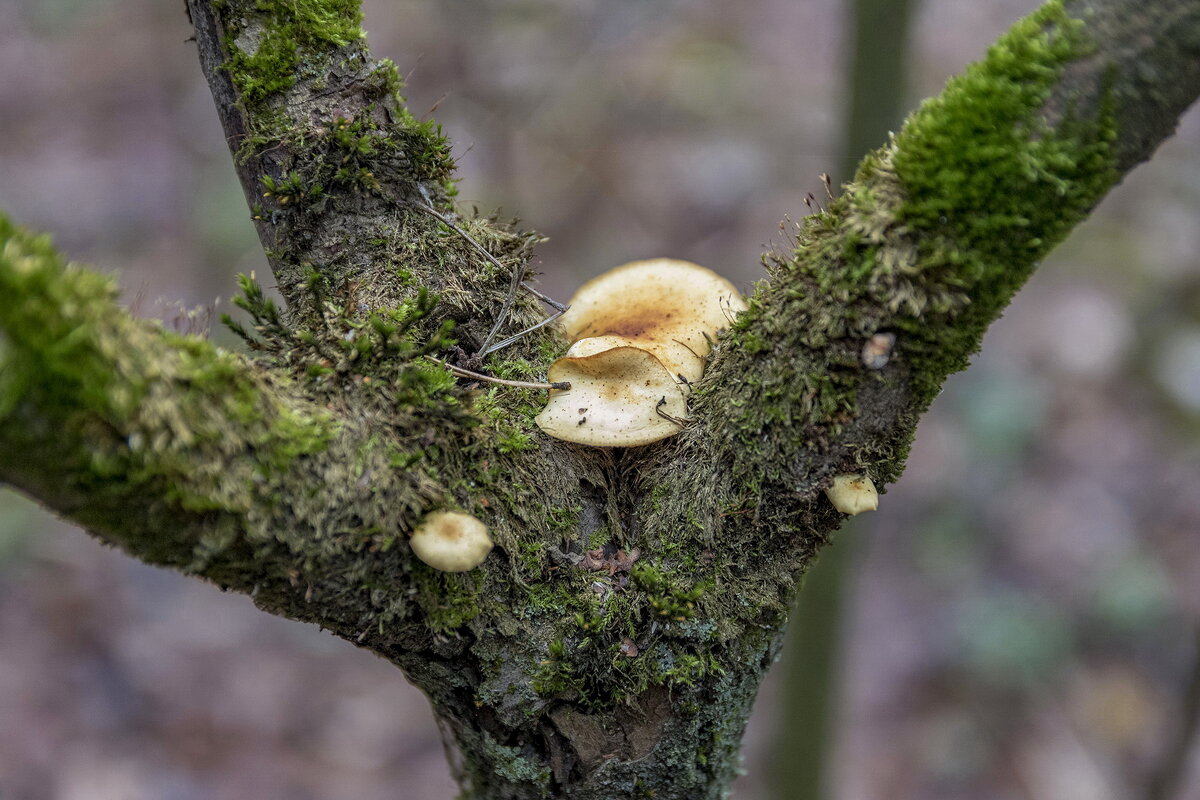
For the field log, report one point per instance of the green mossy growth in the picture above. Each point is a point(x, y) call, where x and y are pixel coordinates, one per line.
point(449, 600)
point(46, 346)
point(271, 42)
point(929, 242)
point(172, 407)
point(666, 598)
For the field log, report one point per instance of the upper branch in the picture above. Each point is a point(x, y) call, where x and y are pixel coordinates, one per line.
point(349, 191)
point(939, 229)
point(890, 289)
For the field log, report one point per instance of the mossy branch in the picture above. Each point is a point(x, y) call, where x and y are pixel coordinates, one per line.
point(192, 457)
point(342, 181)
point(933, 237)
point(655, 579)
point(158, 442)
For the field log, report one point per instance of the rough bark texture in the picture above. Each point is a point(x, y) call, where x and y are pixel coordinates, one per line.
point(295, 475)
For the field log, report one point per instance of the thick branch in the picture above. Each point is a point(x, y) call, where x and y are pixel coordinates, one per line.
point(159, 443)
point(297, 477)
point(192, 457)
point(336, 169)
point(934, 236)
point(317, 128)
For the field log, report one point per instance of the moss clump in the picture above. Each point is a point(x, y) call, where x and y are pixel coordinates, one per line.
point(155, 408)
point(508, 413)
point(449, 600)
point(60, 351)
point(667, 599)
point(379, 354)
point(618, 635)
point(982, 163)
point(992, 177)
point(270, 40)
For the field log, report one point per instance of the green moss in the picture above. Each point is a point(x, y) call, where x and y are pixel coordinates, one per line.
point(983, 183)
point(511, 765)
point(555, 674)
point(271, 40)
point(550, 597)
point(449, 600)
point(992, 182)
point(664, 594)
point(929, 242)
point(174, 401)
point(333, 163)
point(687, 669)
point(508, 412)
point(62, 352)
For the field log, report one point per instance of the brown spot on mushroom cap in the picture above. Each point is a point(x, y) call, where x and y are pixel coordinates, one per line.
point(629, 395)
point(666, 306)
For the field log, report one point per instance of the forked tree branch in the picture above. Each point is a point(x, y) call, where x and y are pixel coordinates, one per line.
point(568, 664)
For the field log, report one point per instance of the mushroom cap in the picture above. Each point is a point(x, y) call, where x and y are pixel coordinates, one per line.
point(451, 541)
point(618, 397)
point(681, 363)
point(663, 305)
point(853, 494)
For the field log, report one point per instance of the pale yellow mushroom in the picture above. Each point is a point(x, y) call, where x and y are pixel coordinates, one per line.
point(665, 306)
point(451, 541)
point(619, 397)
point(640, 334)
point(853, 494)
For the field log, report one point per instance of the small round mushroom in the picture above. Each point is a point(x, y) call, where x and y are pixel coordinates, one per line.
point(877, 351)
point(663, 305)
point(619, 397)
point(853, 494)
point(451, 541)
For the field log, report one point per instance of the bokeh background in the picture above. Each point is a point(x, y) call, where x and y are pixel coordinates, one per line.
point(1019, 620)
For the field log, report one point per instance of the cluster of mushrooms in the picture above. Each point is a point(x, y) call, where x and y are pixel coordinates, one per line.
point(639, 336)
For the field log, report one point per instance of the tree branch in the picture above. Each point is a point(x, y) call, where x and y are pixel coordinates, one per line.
point(335, 169)
point(616, 636)
point(192, 457)
point(932, 239)
point(159, 443)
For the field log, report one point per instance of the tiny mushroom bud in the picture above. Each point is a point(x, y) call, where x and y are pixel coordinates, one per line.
point(853, 494)
point(451, 541)
point(640, 335)
point(877, 350)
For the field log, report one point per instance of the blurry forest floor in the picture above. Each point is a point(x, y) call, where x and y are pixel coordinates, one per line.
point(1022, 620)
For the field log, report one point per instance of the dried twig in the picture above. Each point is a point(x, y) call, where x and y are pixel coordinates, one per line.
point(506, 342)
point(479, 376)
point(486, 347)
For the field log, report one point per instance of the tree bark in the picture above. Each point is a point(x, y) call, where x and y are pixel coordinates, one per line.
point(295, 475)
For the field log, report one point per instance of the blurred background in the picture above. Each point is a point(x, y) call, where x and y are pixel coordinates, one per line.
point(1019, 620)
